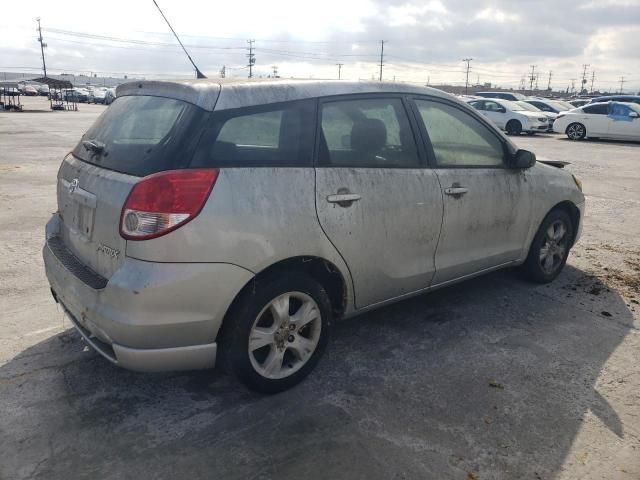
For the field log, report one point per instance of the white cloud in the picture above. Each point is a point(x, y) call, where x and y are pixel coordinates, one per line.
point(496, 15)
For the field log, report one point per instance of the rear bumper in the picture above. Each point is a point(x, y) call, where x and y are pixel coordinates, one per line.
point(148, 316)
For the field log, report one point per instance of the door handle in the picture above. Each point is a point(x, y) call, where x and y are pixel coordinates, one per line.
point(455, 191)
point(343, 199)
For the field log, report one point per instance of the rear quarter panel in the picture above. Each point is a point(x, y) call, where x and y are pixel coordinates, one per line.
point(254, 218)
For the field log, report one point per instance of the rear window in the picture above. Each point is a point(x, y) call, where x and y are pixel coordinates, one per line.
point(140, 135)
point(266, 136)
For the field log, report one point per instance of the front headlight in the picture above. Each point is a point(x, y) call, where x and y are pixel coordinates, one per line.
point(578, 182)
point(542, 119)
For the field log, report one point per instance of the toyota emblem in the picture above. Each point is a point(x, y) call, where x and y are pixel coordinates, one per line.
point(73, 185)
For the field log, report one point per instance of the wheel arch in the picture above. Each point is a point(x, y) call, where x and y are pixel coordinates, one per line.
point(321, 270)
point(574, 214)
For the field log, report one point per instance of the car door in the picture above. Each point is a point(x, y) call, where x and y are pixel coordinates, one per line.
point(487, 206)
point(623, 123)
point(376, 201)
point(595, 119)
point(496, 113)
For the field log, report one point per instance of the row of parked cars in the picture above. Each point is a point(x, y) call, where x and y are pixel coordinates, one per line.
point(87, 95)
point(615, 117)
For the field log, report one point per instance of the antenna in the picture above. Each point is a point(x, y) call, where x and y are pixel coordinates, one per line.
point(199, 74)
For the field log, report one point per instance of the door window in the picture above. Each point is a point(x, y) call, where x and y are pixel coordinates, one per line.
point(493, 107)
point(600, 109)
point(478, 104)
point(620, 112)
point(457, 138)
point(367, 133)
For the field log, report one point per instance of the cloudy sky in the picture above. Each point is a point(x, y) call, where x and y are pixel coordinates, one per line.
point(424, 40)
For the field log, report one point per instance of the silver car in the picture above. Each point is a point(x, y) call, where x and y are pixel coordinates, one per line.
point(203, 222)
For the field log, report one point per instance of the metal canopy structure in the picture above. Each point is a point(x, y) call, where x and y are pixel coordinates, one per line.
point(57, 99)
point(10, 95)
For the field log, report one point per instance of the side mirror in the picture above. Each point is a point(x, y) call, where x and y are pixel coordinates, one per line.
point(523, 159)
point(634, 114)
point(503, 110)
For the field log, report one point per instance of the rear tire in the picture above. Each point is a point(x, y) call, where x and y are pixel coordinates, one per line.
point(276, 332)
point(550, 248)
point(576, 131)
point(514, 127)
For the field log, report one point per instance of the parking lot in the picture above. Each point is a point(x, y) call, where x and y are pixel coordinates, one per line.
point(495, 378)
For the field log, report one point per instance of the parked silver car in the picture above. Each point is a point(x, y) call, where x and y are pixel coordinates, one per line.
point(236, 220)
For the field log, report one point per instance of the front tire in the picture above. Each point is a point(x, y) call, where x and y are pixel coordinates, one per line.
point(550, 248)
point(276, 332)
point(514, 127)
point(576, 131)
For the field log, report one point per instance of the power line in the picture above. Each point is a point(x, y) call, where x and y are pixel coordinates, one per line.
point(466, 82)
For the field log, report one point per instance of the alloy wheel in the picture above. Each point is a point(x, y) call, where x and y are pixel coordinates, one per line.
point(284, 335)
point(554, 248)
point(575, 131)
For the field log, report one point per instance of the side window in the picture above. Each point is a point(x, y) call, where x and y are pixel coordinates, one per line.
point(600, 109)
point(367, 133)
point(266, 136)
point(458, 139)
point(619, 111)
point(493, 107)
point(478, 104)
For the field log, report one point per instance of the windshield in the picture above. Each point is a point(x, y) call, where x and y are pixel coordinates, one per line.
point(513, 106)
point(564, 105)
point(528, 106)
point(140, 135)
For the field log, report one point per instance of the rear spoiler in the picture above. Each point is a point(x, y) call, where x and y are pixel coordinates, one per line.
point(555, 163)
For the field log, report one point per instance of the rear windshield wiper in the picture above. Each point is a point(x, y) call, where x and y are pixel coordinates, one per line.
point(93, 145)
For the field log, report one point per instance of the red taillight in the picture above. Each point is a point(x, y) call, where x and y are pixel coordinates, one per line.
point(162, 202)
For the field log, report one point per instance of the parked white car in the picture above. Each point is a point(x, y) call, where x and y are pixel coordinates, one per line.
point(619, 121)
point(551, 117)
point(511, 116)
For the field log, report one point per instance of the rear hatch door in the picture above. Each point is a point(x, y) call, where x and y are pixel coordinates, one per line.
point(136, 136)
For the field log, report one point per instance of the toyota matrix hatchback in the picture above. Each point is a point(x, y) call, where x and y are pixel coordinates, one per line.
point(203, 222)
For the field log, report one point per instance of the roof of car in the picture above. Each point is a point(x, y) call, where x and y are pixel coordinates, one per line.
point(223, 94)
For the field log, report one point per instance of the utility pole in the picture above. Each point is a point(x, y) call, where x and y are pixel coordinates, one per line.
point(428, 78)
point(573, 85)
point(584, 77)
point(275, 71)
point(466, 82)
point(549, 82)
point(593, 77)
point(339, 70)
point(381, 58)
point(251, 56)
point(532, 77)
point(42, 47)
point(223, 71)
point(621, 84)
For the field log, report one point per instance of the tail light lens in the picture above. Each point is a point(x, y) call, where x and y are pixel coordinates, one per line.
point(162, 202)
